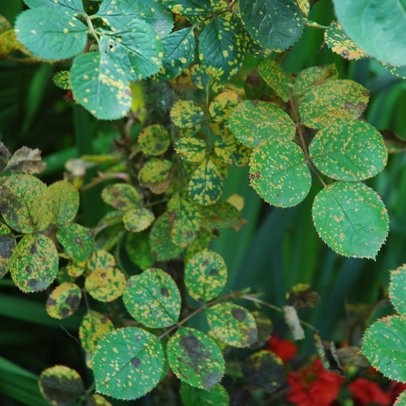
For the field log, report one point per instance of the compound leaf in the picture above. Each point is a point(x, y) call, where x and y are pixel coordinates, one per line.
point(105, 285)
point(63, 301)
point(7, 245)
point(275, 77)
point(154, 140)
point(65, 202)
point(199, 397)
point(139, 249)
point(186, 114)
point(316, 75)
point(195, 358)
point(157, 175)
point(351, 219)
point(136, 220)
point(62, 79)
point(153, 298)
point(128, 363)
point(396, 289)
point(253, 122)
point(191, 149)
point(232, 324)
point(121, 196)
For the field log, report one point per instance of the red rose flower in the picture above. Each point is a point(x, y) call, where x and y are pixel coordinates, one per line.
point(284, 349)
point(366, 393)
point(313, 386)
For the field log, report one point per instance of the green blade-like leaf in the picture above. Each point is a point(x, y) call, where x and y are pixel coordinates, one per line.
point(153, 298)
point(205, 276)
point(128, 363)
point(51, 34)
point(34, 263)
point(349, 150)
point(139, 249)
point(7, 245)
point(121, 196)
point(100, 87)
point(195, 358)
point(351, 219)
point(154, 140)
point(63, 301)
point(191, 149)
point(275, 77)
point(279, 173)
point(316, 75)
point(75, 5)
point(217, 396)
point(65, 202)
point(189, 7)
point(384, 346)
point(275, 24)
point(157, 175)
point(105, 285)
point(232, 324)
point(186, 114)
point(136, 220)
point(396, 289)
point(253, 122)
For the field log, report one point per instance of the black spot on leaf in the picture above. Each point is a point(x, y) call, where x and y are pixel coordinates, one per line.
point(135, 362)
point(238, 314)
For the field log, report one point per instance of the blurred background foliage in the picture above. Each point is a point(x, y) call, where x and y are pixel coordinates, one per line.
point(277, 249)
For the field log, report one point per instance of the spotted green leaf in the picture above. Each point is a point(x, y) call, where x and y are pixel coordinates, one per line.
point(195, 358)
point(51, 34)
point(162, 247)
point(101, 259)
point(9, 42)
point(65, 202)
point(205, 276)
point(66, 5)
point(274, 24)
point(339, 43)
point(264, 370)
point(351, 219)
point(334, 100)
point(401, 400)
point(199, 244)
point(316, 75)
point(7, 245)
point(62, 79)
point(191, 149)
point(94, 326)
point(60, 385)
point(279, 173)
point(217, 396)
point(25, 203)
point(75, 270)
point(63, 301)
point(202, 80)
point(136, 220)
point(154, 140)
point(139, 249)
point(78, 242)
point(34, 263)
point(232, 324)
point(304, 5)
point(349, 150)
point(186, 114)
point(232, 152)
point(219, 215)
point(97, 400)
point(184, 220)
point(153, 298)
point(189, 7)
point(222, 105)
point(128, 363)
point(105, 285)
point(157, 175)
point(384, 346)
point(121, 196)
point(396, 289)
point(205, 185)
point(264, 329)
point(396, 70)
point(253, 122)
point(275, 77)
point(100, 86)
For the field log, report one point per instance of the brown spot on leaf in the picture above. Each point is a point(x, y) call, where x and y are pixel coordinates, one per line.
point(164, 292)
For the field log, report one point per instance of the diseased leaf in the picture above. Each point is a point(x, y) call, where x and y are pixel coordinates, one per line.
point(63, 301)
point(351, 356)
point(253, 122)
point(199, 397)
point(195, 358)
point(316, 75)
point(26, 160)
point(9, 42)
point(396, 289)
point(154, 140)
point(139, 249)
point(393, 142)
point(7, 245)
point(396, 70)
point(220, 215)
point(34, 263)
point(153, 298)
point(121, 196)
point(275, 76)
point(74, 270)
point(304, 5)
point(351, 219)
point(264, 329)
point(105, 285)
point(136, 220)
point(65, 202)
point(237, 201)
point(157, 175)
point(128, 363)
point(191, 149)
point(70, 5)
point(232, 324)
point(189, 7)
point(186, 114)
point(199, 244)
point(97, 400)
point(62, 79)
point(202, 80)
point(101, 259)
point(401, 399)
point(231, 152)
point(222, 105)
point(4, 25)
point(205, 276)
point(301, 295)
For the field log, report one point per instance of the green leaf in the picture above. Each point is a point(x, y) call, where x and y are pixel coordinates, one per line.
point(264, 329)
point(25, 203)
point(205, 276)
point(220, 215)
point(72, 5)
point(231, 152)
point(100, 86)
point(51, 34)
point(121, 196)
point(275, 24)
point(279, 173)
point(153, 299)
point(157, 175)
point(199, 244)
point(349, 150)
point(65, 202)
point(26, 160)
point(7, 245)
point(186, 114)
point(34, 263)
point(4, 25)
point(94, 326)
point(205, 186)
point(191, 149)
point(396, 289)
point(60, 385)
point(162, 246)
point(334, 100)
point(401, 400)
point(9, 43)
point(77, 241)
point(105, 285)
point(275, 77)
point(128, 363)
point(396, 70)
point(139, 249)
point(62, 79)
point(184, 220)
point(384, 346)
point(136, 220)
point(154, 140)
point(264, 370)
point(222, 105)
point(189, 7)
point(351, 219)
point(217, 396)
point(63, 301)
point(253, 122)
point(376, 28)
point(232, 324)
point(316, 75)
point(195, 358)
